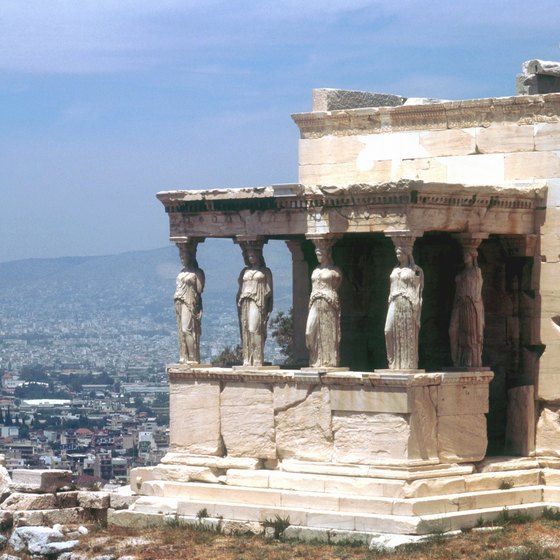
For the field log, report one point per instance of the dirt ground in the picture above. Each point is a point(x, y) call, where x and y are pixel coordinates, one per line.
point(517, 539)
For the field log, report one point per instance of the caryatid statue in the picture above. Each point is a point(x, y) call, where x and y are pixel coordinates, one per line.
point(254, 303)
point(466, 330)
point(188, 302)
point(322, 331)
point(402, 326)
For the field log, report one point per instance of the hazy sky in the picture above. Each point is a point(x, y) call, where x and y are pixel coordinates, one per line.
point(106, 102)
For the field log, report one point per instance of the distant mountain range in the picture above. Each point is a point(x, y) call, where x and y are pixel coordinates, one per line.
point(132, 285)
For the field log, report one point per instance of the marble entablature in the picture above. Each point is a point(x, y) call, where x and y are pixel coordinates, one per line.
point(282, 211)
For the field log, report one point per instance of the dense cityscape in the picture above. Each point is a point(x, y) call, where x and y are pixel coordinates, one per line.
point(83, 380)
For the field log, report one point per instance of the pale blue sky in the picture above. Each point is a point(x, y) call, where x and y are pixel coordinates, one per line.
point(105, 102)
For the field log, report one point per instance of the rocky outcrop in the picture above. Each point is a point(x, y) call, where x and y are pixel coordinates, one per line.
point(46, 515)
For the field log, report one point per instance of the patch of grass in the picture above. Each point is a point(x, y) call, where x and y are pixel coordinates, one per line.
point(551, 514)
point(506, 485)
point(174, 522)
point(533, 552)
point(516, 518)
point(279, 524)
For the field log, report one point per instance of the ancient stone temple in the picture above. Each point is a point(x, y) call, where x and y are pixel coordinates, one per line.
point(425, 253)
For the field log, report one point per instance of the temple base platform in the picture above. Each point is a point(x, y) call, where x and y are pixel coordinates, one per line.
point(358, 452)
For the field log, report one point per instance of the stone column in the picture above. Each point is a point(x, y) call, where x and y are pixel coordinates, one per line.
point(466, 330)
point(402, 327)
point(254, 300)
point(188, 300)
point(322, 331)
point(300, 298)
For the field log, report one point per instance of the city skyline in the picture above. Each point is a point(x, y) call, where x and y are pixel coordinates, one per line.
point(106, 103)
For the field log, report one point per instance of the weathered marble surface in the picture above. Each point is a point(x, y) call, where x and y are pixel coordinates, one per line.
point(326, 99)
point(369, 437)
point(548, 432)
point(303, 423)
point(247, 420)
point(225, 419)
point(195, 409)
point(40, 480)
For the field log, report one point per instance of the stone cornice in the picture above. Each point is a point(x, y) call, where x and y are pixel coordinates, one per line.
point(525, 109)
point(360, 208)
point(178, 373)
point(307, 197)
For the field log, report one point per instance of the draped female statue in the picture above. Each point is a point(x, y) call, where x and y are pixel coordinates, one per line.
point(254, 305)
point(188, 304)
point(466, 330)
point(402, 326)
point(322, 332)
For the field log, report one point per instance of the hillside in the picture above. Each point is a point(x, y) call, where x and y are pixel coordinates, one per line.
point(133, 290)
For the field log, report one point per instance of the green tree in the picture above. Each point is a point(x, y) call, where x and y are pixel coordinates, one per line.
point(282, 325)
point(229, 356)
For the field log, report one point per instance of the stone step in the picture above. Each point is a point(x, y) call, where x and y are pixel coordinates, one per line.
point(418, 483)
point(468, 519)
point(313, 518)
point(264, 497)
point(381, 487)
point(179, 508)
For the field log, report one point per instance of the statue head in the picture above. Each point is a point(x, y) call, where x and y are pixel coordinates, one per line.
point(253, 256)
point(403, 251)
point(187, 253)
point(323, 251)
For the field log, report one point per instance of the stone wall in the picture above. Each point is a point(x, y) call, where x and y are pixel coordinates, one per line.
point(501, 142)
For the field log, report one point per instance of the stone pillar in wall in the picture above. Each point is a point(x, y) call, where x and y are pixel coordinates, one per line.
point(300, 298)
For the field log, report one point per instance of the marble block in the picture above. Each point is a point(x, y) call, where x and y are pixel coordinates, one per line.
point(247, 420)
point(29, 480)
point(369, 437)
point(462, 438)
point(194, 407)
point(548, 432)
point(303, 423)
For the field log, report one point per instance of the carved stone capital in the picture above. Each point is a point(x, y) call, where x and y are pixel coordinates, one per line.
point(470, 241)
point(403, 237)
point(188, 241)
point(323, 241)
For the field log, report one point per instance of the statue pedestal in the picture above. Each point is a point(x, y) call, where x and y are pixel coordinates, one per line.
point(329, 415)
point(247, 434)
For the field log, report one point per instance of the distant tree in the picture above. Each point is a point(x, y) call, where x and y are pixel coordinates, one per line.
point(39, 391)
point(34, 372)
point(161, 399)
point(141, 406)
point(8, 418)
point(229, 356)
point(282, 325)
